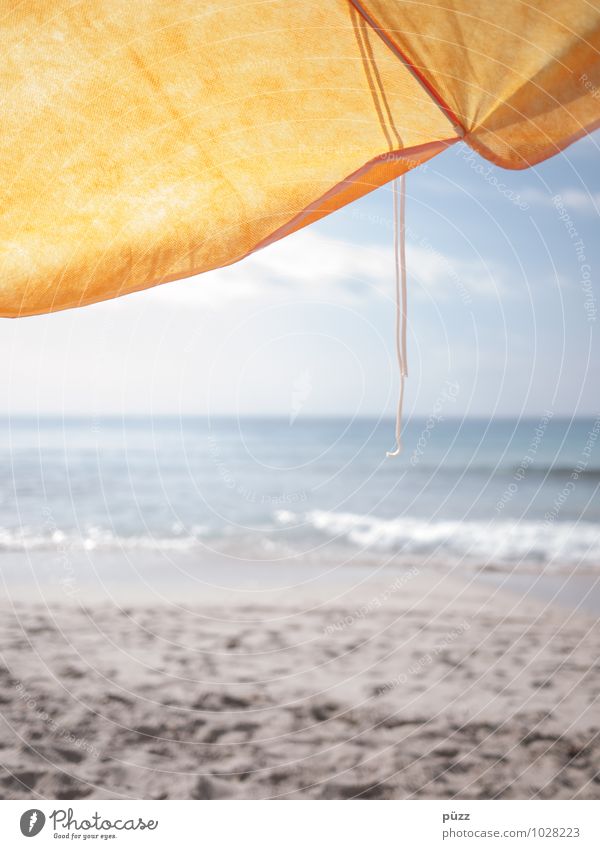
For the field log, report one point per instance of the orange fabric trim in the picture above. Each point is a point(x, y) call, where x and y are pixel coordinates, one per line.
point(374, 168)
point(512, 165)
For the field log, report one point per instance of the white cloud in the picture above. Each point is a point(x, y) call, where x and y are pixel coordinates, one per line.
point(445, 275)
point(305, 261)
point(581, 200)
point(311, 264)
point(577, 200)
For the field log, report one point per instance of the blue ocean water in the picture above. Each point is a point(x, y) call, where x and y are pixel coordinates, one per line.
point(482, 493)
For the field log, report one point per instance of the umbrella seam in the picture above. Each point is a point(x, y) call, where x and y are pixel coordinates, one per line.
point(418, 75)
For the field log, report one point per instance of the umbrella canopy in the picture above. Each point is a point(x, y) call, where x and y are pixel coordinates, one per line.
point(145, 142)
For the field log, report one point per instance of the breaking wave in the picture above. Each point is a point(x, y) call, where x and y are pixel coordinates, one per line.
point(498, 541)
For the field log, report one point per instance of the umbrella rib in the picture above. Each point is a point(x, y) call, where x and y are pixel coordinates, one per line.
point(418, 76)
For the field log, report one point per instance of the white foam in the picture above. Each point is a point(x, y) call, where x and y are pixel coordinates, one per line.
point(499, 541)
point(93, 539)
point(487, 543)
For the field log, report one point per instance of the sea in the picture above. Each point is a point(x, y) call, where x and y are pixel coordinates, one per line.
point(481, 495)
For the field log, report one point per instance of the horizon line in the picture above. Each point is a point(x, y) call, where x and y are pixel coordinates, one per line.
point(285, 416)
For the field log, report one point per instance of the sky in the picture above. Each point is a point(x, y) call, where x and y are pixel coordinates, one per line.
point(503, 303)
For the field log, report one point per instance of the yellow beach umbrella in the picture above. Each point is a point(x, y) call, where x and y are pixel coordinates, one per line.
point(144, 142)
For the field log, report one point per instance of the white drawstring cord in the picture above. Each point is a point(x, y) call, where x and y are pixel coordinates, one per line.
point(399, 198)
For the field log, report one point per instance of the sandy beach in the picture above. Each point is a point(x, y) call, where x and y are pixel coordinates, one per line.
point(412, 685)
